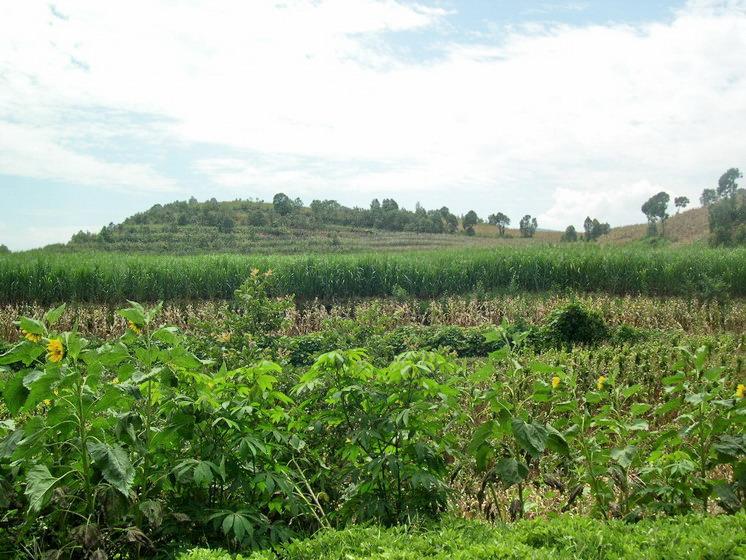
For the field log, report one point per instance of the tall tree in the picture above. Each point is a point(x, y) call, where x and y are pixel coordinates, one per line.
point(570, 234)
point(588, 228)
point(282, 204)
point(528, 226)
point(727, 185)
point(500, 220)
point(469, 221)
point(709, 197)
point(680, 202)
point(655, 209)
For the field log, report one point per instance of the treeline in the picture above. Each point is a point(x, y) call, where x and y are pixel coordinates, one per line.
point(726, 206)
point(284, 211)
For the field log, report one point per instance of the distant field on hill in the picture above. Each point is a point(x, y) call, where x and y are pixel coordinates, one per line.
point(49, 277)
point(288, 241)
point(688, 227)
point(259, 228)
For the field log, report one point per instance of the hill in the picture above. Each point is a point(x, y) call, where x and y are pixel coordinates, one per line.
point(688, 227)
point(287, 227)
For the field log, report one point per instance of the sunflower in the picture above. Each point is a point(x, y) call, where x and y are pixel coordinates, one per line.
point(55, 350)
point(556, 382)
point(740, 391)
point(31, 337)
point(601, 382)
point(133, 327)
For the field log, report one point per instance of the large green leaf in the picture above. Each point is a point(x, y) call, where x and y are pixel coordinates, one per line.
point(114, 464)
point(53, 315)
point(25, 352)
point(39, 485)
point(33, 326)
point(530, 435)
point(15, 393)
point(39, 384)
point(510, 471)
point(556, 442)
point(624, 456)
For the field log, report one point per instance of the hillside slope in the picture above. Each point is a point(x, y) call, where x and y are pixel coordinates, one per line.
point(688, 227)
point(255, 227)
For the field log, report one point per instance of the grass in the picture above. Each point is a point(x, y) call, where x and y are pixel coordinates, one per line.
point(49, 277)
point(556, 538)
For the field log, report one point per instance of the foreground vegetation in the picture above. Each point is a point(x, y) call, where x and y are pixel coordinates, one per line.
point(155, 439)
point(53, 278)
point(377, 316)
point(556, 538)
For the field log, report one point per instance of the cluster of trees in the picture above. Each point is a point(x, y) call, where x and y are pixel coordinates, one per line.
point(726, 206)
point(656, 212)
point(593, 229)
point(283, 211)
point(4, 249)
point(286, 212)
point(387, 215)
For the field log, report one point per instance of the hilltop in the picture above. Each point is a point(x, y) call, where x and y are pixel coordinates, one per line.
point(287, 227)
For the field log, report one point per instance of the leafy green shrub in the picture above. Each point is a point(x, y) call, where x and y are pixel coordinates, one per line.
point(116, 448)
point(574, 324)
point(556, 538)
point(387, 458)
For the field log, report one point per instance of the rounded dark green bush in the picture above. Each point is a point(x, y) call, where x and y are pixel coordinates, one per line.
point(574, 324)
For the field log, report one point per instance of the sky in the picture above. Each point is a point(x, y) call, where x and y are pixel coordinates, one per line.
point(559, 109)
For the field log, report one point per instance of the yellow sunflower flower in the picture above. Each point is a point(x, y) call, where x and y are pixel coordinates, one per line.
point(133, 327)
point(601, 382)
point(31, 337)
point(224, 337)
point(55, 350)
point(556, 382)
point(740, 391)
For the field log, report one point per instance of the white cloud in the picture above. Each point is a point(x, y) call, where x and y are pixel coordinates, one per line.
point(17, 239)
point(30, 152)
point(524, 121)
point(612, 205)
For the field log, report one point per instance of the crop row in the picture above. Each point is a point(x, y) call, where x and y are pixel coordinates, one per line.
point(642, 312)
point(48, 277)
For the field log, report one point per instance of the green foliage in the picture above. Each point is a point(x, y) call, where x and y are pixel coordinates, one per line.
point(528, 226)
point(655, 210)
point(51, 278)
point(124, 446)
point(469, 221)
point(570, 235)
point(727, 220)
point(556, 538)
point(120, 434)
point(501, 221)
point(389, 450)
point(574, 324)
point(594, 229)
